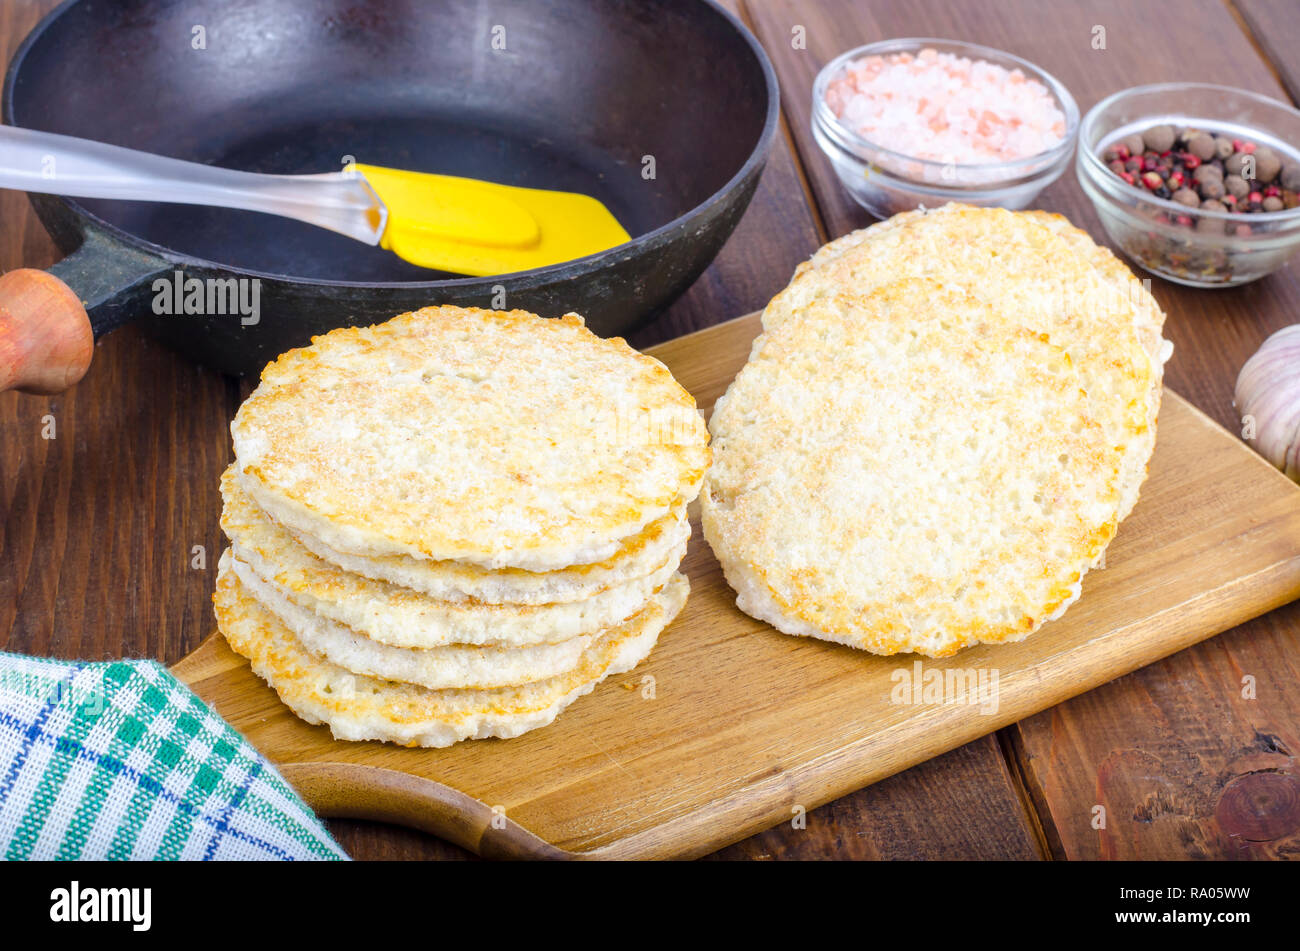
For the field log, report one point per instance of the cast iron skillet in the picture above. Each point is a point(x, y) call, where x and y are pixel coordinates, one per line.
point(584, 96)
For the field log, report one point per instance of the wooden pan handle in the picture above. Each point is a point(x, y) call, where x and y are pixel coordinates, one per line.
point(45, 338)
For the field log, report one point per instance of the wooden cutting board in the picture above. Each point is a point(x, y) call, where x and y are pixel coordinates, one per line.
point(729, 727)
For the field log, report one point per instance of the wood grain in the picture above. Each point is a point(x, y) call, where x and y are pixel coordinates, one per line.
point(99, 523)
point(747, 727)
point(1117, 739)
point(1271, 25)
point(943, 809)
point(1174, 779)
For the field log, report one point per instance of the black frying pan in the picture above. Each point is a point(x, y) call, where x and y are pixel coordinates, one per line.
point(583, 92)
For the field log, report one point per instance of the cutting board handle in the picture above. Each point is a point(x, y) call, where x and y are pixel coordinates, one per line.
point(353, 791)
point(45, 337)
point(357, 790)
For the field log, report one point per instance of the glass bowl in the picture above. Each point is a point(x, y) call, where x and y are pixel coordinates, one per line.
point(1190, 246)
point(886, 182)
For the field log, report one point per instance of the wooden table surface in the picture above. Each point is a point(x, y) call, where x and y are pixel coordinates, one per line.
point(98, 526)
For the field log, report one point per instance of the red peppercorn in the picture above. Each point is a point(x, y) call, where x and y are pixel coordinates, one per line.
point(1272, 192)
point(1121, 152)
point(1166, 153)
point(1184, 220)
point(1175, 180)
point(1128, 177)
point(1190, 161)
point(1228, 199)
point(1248, 147)
point(1255, 197)
point(1151, 180)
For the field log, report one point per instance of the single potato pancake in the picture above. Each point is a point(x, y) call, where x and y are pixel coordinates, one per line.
point(1037, 273)
point(496, 438)
point(445, 580)
point(908, 471)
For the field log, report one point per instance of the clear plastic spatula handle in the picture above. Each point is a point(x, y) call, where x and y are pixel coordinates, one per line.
point(65, 165)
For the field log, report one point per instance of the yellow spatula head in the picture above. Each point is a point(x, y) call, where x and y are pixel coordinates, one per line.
point(467, 226)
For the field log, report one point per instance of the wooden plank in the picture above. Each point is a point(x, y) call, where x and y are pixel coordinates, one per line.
point(1174, 778)
point(747, 726)
point(1112, 738)
point(98, 525)
point(1271, 25)
point(953, 807)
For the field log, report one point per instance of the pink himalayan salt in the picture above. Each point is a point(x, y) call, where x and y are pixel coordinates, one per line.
point(946, 108)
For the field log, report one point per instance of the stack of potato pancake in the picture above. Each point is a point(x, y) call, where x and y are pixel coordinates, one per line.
point(453, 524)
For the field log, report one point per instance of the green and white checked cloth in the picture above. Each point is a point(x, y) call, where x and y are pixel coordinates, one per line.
point(122, 761)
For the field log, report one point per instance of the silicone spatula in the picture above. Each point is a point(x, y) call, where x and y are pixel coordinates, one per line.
point(444, 222)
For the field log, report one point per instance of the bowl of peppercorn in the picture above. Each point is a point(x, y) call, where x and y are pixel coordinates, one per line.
point(1197, 183)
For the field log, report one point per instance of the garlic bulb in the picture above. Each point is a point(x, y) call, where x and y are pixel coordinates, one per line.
point(1268, 398)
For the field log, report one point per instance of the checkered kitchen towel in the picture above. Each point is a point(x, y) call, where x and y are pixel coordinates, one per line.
point(121, 761)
